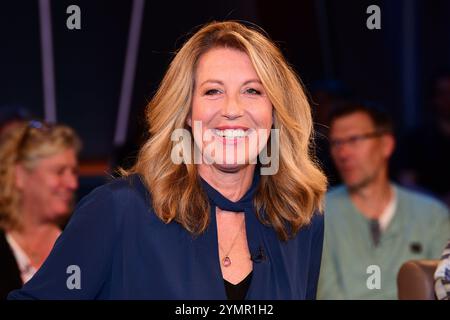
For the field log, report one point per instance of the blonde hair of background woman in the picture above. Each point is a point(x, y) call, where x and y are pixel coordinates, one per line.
point(26, 146)
point(288, 198)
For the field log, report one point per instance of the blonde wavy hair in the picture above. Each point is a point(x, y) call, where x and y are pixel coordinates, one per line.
point(287, 200)
point(26, 145)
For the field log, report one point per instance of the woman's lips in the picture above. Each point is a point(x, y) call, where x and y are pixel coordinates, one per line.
point(65, 197)
point(231, 135)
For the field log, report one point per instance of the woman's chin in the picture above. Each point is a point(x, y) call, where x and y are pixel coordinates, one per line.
point(60, 211)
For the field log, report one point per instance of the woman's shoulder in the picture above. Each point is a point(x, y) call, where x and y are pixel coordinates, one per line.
point(316, 233)
point(118, 196)
point(119, 190)
point(313, 231)
point(316, 223)
point(120, 202)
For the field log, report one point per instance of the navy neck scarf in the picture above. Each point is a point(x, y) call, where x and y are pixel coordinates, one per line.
point(245, 204)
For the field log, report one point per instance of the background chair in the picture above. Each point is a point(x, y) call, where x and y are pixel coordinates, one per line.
point(415, 280)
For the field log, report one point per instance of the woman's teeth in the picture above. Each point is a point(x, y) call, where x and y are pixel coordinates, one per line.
point(231, 133)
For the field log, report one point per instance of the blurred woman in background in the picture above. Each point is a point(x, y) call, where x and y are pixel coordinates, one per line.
point(38, 179)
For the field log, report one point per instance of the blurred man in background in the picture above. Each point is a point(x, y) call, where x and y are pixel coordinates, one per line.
point(372, 226)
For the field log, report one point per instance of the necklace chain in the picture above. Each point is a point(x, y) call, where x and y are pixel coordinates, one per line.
point(226, 261)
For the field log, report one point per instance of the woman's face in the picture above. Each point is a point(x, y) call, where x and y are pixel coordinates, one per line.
point(231, 107)
point(49, 187)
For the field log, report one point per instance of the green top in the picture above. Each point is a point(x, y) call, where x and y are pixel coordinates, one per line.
point(419, 229)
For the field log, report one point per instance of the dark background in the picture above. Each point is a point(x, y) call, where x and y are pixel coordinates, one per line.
point(321, 39)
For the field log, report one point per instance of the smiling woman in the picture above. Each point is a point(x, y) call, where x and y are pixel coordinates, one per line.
point(38, 179)
point(217, 229)
point(231, 101)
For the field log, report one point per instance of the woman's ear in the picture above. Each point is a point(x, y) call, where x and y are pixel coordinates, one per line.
point(20, 174)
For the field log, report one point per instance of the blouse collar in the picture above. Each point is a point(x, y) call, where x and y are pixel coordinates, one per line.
point(216, 199)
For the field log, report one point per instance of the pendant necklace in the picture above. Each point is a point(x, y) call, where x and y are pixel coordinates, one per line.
point(226, 261)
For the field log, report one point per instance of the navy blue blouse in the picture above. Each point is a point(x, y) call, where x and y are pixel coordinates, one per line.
point(123, 251)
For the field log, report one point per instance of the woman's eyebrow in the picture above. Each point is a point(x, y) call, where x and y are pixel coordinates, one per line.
point(212, 81)
point(222, 83)
point(252, 80)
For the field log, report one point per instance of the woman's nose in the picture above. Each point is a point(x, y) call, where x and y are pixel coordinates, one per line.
point(232, 108)
point(71, 180)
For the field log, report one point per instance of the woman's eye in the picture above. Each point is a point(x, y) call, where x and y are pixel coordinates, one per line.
point(252, 91)
point(212, 92)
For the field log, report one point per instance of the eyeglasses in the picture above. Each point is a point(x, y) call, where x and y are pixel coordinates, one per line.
point(355, 140)
point(34, 125)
